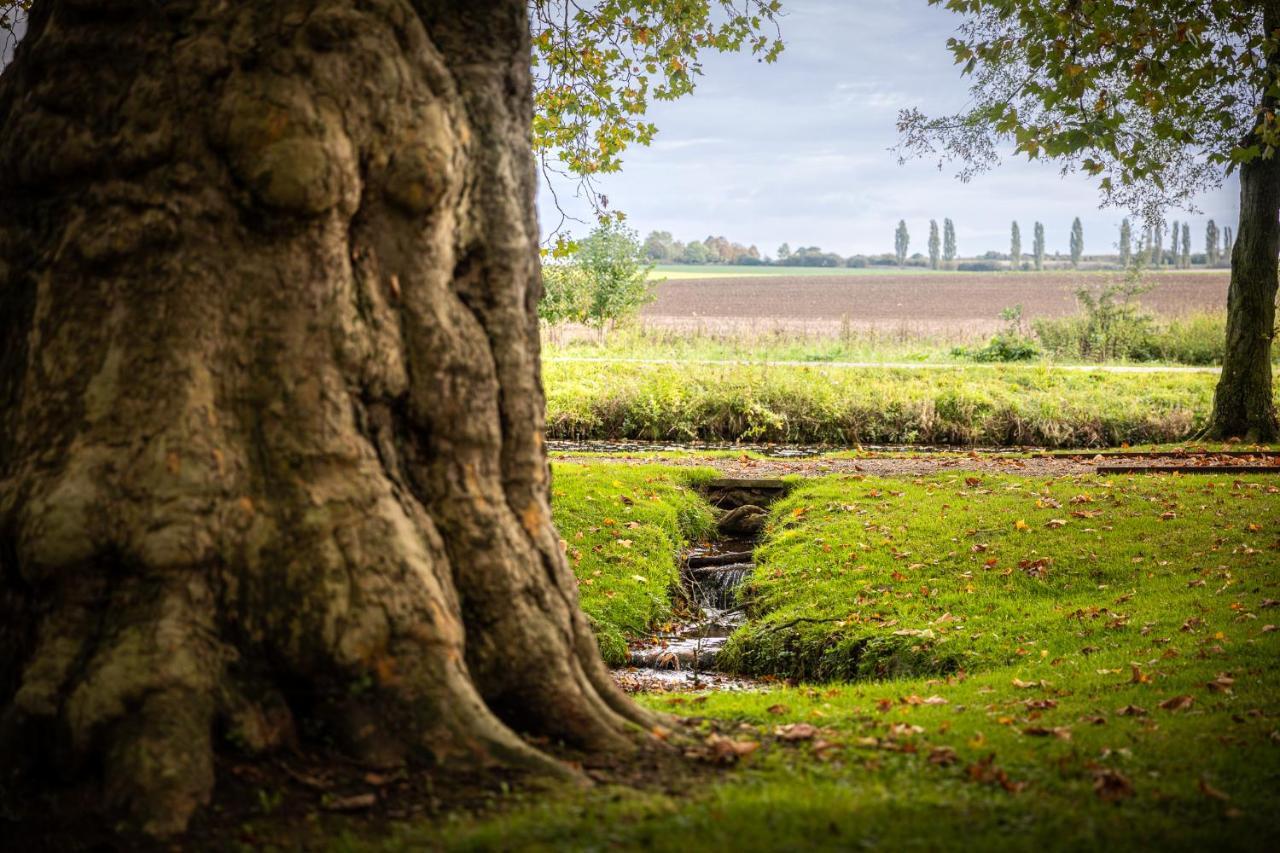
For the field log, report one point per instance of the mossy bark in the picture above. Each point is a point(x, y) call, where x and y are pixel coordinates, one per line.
point(1243, 404)
point(270, 410)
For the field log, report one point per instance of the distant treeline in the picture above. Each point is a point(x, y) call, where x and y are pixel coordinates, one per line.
point(1147, 248)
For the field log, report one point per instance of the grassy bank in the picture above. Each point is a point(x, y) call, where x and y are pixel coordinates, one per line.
point(622, 526)
point(997, 405)
point(881, 578)
point(1107, 683)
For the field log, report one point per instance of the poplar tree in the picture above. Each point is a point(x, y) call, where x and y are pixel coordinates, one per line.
point(948, 241)
point(1161, 100)
point(901, 242)
point(1037, 245)
point(1015, 246)
point(1126, 242)
point(935, 245)
point(1077, 242)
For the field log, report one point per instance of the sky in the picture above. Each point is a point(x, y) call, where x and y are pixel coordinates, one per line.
point(798, 151)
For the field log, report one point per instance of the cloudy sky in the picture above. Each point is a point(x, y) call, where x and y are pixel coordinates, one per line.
point(798, 151)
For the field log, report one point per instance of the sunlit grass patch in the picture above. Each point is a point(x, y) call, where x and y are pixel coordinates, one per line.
point(883, 577)
point(623, 526)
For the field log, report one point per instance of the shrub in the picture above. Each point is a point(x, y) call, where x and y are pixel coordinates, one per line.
point(979, 266)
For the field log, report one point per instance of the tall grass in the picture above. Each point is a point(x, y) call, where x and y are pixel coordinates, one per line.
point(997, 405)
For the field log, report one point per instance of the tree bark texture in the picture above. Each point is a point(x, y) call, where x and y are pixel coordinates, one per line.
point(1243, 404)
point(270, 410)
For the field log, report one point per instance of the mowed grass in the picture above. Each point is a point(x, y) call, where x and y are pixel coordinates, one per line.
point(1121, 695)
point(887, 577)
point(996, 405)
point(623, 527)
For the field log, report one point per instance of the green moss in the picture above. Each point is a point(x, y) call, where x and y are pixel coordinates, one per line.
point(623, 526)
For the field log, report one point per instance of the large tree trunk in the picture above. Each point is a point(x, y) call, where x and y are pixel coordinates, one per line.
point(1243, 405)
point(270, 410)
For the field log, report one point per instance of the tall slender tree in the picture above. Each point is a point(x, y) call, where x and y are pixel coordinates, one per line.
point(1037, 245)
point(1161, 100)
point(1157, 244)
point(1015, 245)
point(948, 241)
point(1227, 241)
point(901, 242)
point(1175, 236)
point(935, 245)
point(1077, 242)
point(1126, 242)
point(1211, 243)
point(1186, 245)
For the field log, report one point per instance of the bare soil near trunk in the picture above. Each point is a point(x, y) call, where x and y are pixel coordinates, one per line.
point(936, 302)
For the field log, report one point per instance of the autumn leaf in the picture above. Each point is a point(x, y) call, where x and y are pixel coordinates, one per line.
point(1177, 703)
point(1111, 785)
point(795, 731)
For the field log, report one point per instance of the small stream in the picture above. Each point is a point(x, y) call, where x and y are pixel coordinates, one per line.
point(713, 575)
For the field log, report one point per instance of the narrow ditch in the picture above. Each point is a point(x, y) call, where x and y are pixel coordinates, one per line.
point(712, 576)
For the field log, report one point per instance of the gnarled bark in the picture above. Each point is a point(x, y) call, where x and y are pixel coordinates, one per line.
point(1243, 405)
point(270, 408)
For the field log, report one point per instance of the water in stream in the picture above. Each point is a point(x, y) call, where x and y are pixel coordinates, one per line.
point(685, 657)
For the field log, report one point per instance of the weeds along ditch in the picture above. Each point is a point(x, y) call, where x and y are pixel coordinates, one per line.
point(999, 405)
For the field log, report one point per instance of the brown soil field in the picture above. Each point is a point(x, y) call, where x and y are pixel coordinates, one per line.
point(944, 302)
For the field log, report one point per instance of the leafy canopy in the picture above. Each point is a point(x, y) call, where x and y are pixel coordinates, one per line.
point(1160, 98)
point(597, 65)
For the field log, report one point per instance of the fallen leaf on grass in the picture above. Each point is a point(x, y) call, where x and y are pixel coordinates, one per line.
point(1111, 785)
point(1040, 704)
point(1212, 792)
point(795, 731)
point(726, 750)
point(355, 803)
point(943, 756)
point(779, 709)
point(1060, 732)
point(1221, 684)
point(1177, 703)
point(988, 772)
point(1131, 711)
point(1055, 523)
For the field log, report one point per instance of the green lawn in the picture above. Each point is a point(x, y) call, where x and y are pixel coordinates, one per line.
point(1121, 694)
point(983, 405)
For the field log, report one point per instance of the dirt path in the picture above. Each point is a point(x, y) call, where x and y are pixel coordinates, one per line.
point(897, 465)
